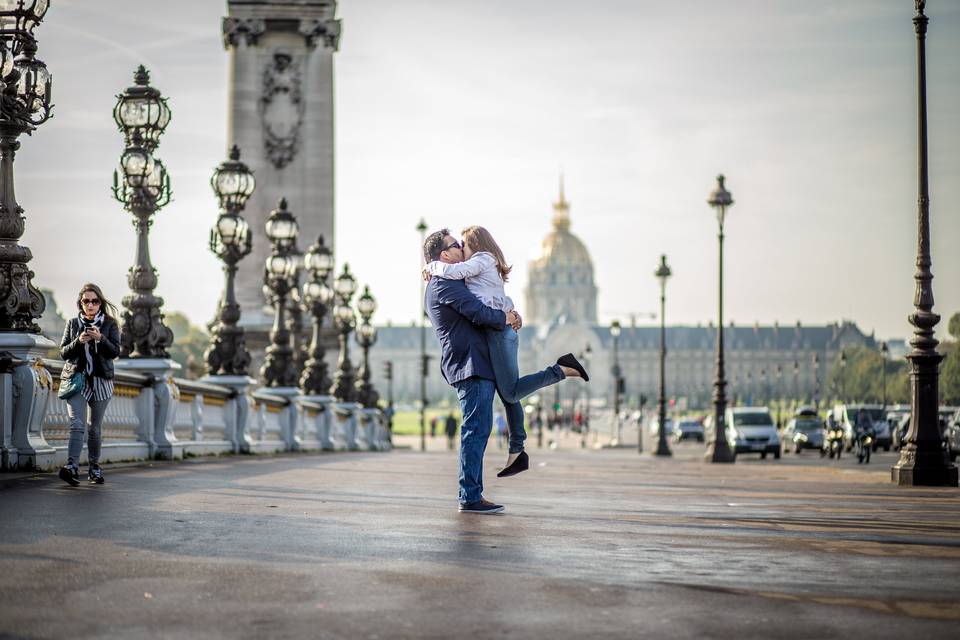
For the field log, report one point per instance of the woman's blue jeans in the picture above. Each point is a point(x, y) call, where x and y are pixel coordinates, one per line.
point(77, 413)
point(503, 346)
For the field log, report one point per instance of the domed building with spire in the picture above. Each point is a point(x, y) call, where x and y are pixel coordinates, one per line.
point(560, 281)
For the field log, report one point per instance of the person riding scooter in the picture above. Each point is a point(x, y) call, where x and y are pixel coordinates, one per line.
point(863, 433)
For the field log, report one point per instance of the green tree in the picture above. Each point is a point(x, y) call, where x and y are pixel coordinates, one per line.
point(953, 326)
point(950, 375)
point(861, 379)
point(189, 343)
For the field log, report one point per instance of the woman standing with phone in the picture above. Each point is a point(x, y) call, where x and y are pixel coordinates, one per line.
point(91, 342)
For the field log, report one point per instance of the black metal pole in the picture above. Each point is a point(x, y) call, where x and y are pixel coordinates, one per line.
point(662, 448)
point(422, 228)
point(923, 461)
point(718, 449)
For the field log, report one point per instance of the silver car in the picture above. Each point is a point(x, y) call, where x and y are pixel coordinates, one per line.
point(751, 430)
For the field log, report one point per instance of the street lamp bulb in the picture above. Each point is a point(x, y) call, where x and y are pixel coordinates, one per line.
point(615, 329)
point(281, 225)
point(317, 292)
point(233, 182)
point(366, 304)
point(345, 284)
point(663, 271)
point(367, 333)
point(319, 259)
point(136, 164)
point(141, 112)
point(344, 314)
point(278, 265)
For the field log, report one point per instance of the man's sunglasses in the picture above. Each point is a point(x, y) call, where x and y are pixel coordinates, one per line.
point(453, 245)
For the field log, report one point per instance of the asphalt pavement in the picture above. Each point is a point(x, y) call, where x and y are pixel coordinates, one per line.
point(594, 543)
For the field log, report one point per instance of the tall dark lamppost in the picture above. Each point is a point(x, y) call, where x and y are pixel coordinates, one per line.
point(718, 449)
point(25, 90)
point(884, 352)
point(796, 383)
point(344, 320)
point(424, 358)
point(142, 115)
point(663, 273)
point(318, 262)
point(231, 241)
point(278, 369)
point(923, 461)
point(843, 376)
point(779, 374)
point(366, 338)
point(615, 370)
point(816, 381)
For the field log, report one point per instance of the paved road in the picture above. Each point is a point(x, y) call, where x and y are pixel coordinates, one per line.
point(594, 544)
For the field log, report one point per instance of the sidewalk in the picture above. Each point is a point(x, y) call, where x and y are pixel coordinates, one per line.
point(594, 543)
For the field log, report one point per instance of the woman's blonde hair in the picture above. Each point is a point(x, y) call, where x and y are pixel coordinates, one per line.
point(480, 239)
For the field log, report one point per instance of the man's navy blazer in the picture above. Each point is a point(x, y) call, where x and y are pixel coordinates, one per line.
point(458, 317)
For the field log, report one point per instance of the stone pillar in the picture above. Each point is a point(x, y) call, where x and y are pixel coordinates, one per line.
point(323, 422)
point(345, 425)
point(161, 398)
point(281, 116)
point(238, 409)
point(25, 386)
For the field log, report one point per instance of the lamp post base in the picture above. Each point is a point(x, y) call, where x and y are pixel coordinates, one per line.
point(721, 453)
point(663, 450)
point(924, 470)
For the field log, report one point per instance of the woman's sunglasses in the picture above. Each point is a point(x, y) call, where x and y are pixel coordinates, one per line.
point(85, 301)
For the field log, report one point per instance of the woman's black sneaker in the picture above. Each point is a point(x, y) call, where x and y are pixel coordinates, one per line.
point(522, 463)
point(569, 360)
point(70, 475)
point(95, 474)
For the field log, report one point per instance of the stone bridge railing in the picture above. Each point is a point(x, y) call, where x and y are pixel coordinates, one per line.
point(171, 418)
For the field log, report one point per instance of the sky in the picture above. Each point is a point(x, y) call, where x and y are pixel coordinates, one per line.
point(466, 112)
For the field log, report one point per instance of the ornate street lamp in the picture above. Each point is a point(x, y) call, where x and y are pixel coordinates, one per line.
point(615, 371)
point(424, 358)
point(318, 262)
point(142, 185)
point(923, 461)
point(663, 274)
point(25, 86)
point(718, 449)
point(280, 271)
point(231, 241)
point(366, 337)
point(779, 374)
point(344, 320)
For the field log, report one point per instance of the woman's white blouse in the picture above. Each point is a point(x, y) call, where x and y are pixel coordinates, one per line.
point(480, 275)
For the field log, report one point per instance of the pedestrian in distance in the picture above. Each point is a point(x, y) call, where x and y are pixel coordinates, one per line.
point(450, 427)
point(91, 342)
point(501, 425)
point(480, 263)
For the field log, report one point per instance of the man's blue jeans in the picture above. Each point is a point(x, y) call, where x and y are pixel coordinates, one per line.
point(476, 406)
point(512, 388)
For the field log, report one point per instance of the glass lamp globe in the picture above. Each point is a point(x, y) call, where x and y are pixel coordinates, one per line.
point(615, 328)
point(137, 165)
point(228, 228)
point(281, 225)
point(366, 304)
point(233, 182)
point(367, 332)
point(317, 292)
point(345, 284)
point(278, 266)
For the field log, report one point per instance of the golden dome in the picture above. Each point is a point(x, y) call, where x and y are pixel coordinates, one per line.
point(560, 247)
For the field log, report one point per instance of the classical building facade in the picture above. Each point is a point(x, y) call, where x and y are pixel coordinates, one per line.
point(280, 114)
point(763, 362)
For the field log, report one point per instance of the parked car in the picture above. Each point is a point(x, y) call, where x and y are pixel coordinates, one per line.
point(846, 416)
point(688, 429)
point(751, 430)
point(803, 431)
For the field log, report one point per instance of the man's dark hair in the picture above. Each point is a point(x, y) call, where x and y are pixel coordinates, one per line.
point(433, 246)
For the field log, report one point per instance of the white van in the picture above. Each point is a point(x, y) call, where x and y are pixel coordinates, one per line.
point(751, 430)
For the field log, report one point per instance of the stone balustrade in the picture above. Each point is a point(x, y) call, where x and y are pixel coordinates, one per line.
point(150, 418)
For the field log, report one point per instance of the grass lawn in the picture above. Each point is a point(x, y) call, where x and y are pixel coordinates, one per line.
point(408, 422)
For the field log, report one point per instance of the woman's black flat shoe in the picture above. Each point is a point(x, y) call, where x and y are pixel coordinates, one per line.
point(522, 463)
point(569, 360)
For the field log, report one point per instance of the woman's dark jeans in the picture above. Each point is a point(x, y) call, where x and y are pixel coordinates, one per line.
point(77, 412)
point(503, 346)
